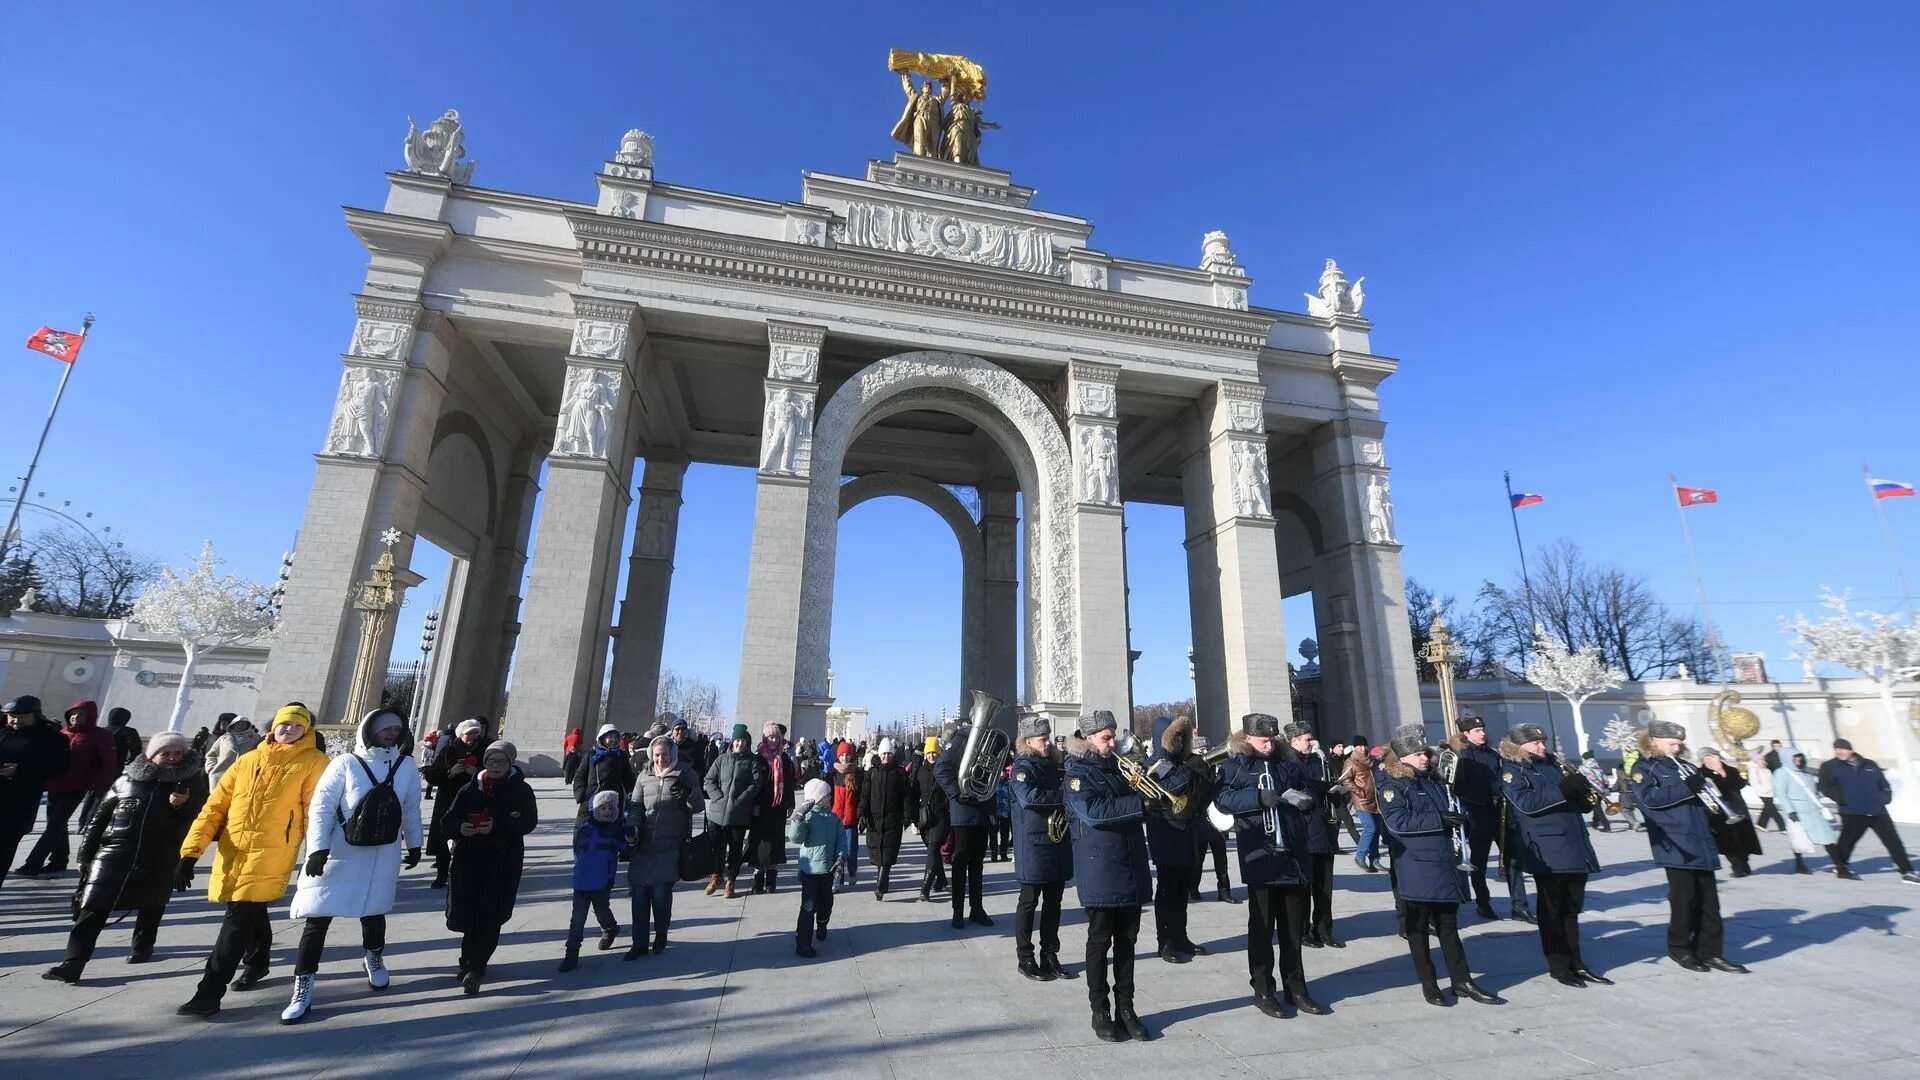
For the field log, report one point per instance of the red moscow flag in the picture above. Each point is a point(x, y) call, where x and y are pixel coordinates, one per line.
point(59, 344)
point(1696, 496)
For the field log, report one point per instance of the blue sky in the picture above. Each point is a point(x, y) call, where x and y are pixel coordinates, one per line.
point(1605, 243)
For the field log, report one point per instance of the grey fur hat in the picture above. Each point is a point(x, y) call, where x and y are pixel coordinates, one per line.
point(1296, 729)
point(1098, 721)
point(1526, 733)
point(1408, 739)
point(1666, 729)
point(1036, 727)
point(1260, 725)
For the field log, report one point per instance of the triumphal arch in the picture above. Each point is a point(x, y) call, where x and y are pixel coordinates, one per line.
point(522, 370)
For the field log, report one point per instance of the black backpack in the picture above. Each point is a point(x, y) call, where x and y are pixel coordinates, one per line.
point(376, 821)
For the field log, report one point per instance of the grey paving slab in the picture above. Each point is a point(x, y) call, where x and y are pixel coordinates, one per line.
point(896, 992)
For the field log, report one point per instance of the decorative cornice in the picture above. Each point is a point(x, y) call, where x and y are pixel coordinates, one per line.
point(802, 334)
point(911, 280)
point(374, 307)
point(603, 310)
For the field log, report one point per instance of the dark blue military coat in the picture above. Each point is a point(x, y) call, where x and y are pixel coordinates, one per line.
point(1425, 868)
point(1265, 860)
point(1036, 790)
point(1677, 826)
point(1553, 831)
point(1109, 840)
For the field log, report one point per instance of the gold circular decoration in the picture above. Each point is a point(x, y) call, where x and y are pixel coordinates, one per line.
point(1739, 723)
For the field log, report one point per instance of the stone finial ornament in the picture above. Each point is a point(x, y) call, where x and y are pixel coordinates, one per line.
point(1336, 297)
point(437, 151)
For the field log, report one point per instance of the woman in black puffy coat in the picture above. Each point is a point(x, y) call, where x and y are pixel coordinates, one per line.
point(131, 849)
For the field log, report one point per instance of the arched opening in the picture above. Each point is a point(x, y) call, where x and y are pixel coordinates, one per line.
point(1023, 427)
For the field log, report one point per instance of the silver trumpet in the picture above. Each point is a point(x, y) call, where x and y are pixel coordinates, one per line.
point(1270, 816)
point(1709, 795)
point(1447, 765)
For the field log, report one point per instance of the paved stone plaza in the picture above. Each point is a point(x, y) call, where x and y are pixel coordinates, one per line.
point(895, 992)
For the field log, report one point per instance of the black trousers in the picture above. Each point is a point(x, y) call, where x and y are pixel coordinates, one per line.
point(1047, 899)
point(1002, 836)
point(1276, 912)
point(1562, 897)
point(1206, 839)
point(1170, 904)
point(1426, 919)
point(10, 838)
point(936, 873)
point(1483, 822)
point(1769, 810)
point(1322, 895)
point(88, 924)
point(969, 852)
point(246, 934)
point(816, 903)
point(1693, 920)
point(1854, 826)
point(53, 849)
point(313, 940)
point(476, 948)
point(733, 841)
point(1111, 931)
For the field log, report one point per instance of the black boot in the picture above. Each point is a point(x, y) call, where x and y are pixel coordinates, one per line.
point(1433, 995)
point(1193, 895)
point(1032, 970)
point(1225, 895)
point(1050, 963)
point(659, 941)
point(1471, 990)
point(1103, 1025)
point(1304, 1002)
point(1800, 864)
point(439, 878)
point(1125, 1018)
point(66, 971)
point(1268, 1004)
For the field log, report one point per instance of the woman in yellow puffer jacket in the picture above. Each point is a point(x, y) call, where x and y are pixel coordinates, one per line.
point(258, 813)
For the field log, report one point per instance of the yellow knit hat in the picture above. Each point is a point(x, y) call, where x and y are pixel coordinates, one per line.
point(933, 745)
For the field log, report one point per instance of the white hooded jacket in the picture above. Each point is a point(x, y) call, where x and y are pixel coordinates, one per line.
point(357, 881)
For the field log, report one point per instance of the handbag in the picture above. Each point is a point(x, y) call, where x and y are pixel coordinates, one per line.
point(700, 853)
point(1797, 837)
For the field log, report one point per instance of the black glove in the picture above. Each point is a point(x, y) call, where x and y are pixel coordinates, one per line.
point(1697, 781)
point(412, 859)
point(183, 877)
point(1793, 817)
point(1452, 820)
point(317, 862)
point(1269, 798)
point(1574, 788)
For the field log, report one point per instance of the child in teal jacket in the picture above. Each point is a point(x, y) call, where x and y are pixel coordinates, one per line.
point(817, 832)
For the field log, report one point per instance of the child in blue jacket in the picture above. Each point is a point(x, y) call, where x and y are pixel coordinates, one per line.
point(817, 832)
point(599, 843)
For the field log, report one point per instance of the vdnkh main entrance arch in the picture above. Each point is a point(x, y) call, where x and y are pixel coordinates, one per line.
point(914, 331)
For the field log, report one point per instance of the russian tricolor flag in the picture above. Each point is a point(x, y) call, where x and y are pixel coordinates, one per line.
point(1889, 489)
point(1524, 498)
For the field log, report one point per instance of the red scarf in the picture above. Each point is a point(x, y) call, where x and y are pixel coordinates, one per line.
point(772, 754)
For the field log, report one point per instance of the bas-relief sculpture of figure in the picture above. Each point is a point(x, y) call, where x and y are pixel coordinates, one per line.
point(789, 420)
point(1099, 461)
point(586, 412)
point(655, 532)
point(1379, 511)
point(924, 122)
point(1000, 551)
point(1252, 490)
point(944, 236)
point(1336, 296)
point(437, 151)
point(362, 412)
point(626, 205)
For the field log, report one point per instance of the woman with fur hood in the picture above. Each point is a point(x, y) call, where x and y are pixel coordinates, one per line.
point(1550, 804)
point(357, 881)
point(1421, 819)
point(129, 851)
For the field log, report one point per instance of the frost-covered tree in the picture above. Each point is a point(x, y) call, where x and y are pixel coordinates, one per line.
point(1620, 735)
point(205, 611)
point(1880, 646)
point(1575, 675)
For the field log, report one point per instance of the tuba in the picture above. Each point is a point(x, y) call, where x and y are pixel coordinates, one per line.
point(984, 760)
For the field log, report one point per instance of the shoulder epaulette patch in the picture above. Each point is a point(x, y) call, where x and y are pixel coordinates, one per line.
point(1075, 783)
point(1387, 794)
point(1507, 776)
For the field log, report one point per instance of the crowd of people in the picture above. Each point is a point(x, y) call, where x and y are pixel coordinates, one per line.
point(1129, 826)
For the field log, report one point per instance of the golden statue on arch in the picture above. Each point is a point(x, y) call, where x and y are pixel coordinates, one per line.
point(930, 128)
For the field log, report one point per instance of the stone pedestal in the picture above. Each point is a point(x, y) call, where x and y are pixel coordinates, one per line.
point(1099, 532)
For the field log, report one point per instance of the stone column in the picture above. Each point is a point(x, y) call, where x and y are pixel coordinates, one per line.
point(635, 686)
point(569, 606)
point(370, 475)
point(1099, 538)
point(1233, 576)
point(1000, 635)
point(770, 639)
point(1360, 595)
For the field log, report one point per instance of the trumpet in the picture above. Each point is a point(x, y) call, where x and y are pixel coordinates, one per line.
point(1709, 795)
point(1270, 816)
point(1133, 765)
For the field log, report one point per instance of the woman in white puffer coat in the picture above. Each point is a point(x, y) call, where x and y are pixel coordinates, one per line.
point(344, 880)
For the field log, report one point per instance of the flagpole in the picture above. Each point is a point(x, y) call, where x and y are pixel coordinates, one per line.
point(1526, 581)
point(26, 482)
point(1700, 583)
point(1886, 530)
